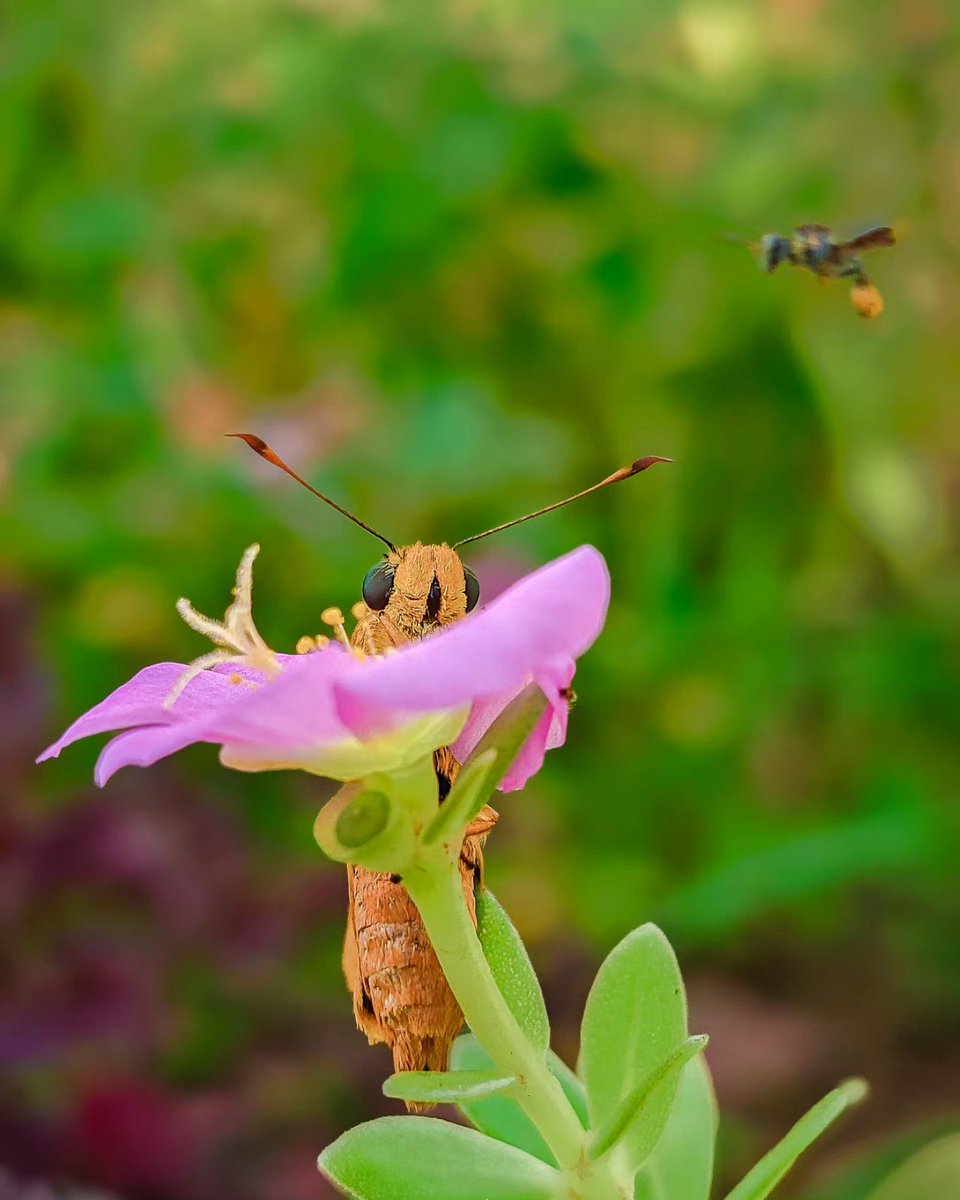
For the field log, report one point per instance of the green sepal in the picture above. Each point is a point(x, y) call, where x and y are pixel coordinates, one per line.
point(421, 1158)
point(412, 787)
point(396, 752)
point(768, 1172)
point(510, 965)
point(446, 1087)
point(618, 1125)
point(467, 796)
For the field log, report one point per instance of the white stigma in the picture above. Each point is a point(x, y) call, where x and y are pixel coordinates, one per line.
point(235, 637)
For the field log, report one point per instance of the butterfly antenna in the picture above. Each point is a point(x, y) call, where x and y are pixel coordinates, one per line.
point(261, 448)
point(624, 473)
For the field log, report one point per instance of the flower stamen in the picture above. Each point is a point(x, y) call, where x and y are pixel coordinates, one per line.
point(236, 637)
point(334, 618)
point(309, 643)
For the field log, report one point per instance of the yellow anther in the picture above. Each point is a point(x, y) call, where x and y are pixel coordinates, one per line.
point(359, 610)
point(321, 641)
point(306, 644)
point(236, 680)
point(334, 617)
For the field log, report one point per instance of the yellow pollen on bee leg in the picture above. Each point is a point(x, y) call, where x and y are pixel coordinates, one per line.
point(866, 299)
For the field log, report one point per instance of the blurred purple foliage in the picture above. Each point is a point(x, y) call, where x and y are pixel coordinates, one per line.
point(159, 1022)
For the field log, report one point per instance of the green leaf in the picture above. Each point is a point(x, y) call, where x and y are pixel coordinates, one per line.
point(508, 960)
point(573, 1088)
point(502, 1118)
point(467, 796)
point(422, 1158)
point(681, 1164)
point(621, 1124)
point(768, 1172)
point(635, 1018)
point(445, 1087)
point(930, 1174)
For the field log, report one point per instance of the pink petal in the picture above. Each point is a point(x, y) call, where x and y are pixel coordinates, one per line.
point(549, 733)
point(544, 620)
point(139, 701)
point(293, 709)
point(533, 631)
point(142, 748)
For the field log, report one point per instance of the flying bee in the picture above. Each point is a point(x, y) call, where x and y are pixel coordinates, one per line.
point(815, 248)
point(400, 995)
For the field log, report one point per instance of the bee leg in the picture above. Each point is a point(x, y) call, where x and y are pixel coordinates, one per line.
point(853, 270)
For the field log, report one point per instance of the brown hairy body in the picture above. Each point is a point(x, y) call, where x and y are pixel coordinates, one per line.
point(400, 994)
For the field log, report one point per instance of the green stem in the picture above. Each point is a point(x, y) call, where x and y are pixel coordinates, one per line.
point(437, 891)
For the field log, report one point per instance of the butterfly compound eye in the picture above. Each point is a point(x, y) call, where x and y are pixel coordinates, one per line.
point(471, 588)
point(377, 586)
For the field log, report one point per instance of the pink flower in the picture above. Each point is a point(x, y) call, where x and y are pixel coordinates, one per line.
point(334, 714)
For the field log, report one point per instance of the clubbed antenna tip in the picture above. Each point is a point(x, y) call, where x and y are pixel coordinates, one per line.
point(638, 465)
point(641, 464)
point(260, 447)
point(255, 443)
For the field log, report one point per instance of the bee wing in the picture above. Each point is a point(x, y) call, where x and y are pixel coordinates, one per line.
point(736, 239)
point(871, 239)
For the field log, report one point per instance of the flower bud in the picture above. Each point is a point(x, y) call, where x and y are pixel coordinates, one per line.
point(363, 824)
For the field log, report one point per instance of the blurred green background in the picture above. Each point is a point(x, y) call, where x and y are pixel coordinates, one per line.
point(454, 262)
